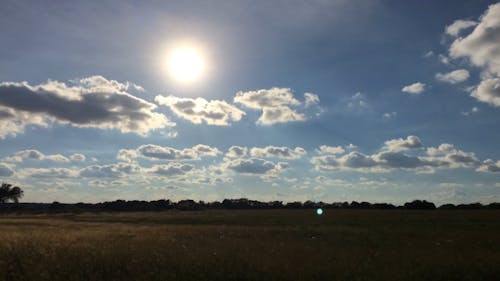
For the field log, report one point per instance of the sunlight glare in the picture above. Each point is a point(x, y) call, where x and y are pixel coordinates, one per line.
point(185, 64)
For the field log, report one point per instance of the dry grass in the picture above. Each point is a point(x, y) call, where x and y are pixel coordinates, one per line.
point(253, 245)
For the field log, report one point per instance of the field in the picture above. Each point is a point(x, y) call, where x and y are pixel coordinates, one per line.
point(253, 245)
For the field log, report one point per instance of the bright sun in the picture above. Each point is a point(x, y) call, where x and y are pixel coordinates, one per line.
point(185, 64)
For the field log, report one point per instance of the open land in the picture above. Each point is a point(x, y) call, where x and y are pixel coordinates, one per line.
point(252, 245)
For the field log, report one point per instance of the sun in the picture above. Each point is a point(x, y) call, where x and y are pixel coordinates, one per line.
point(185, 64)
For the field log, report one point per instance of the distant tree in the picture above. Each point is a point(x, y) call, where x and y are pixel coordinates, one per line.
point(447, 206)
point(420, 204)
point(10, 193)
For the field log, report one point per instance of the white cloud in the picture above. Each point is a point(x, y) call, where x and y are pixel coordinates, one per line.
point(488, 91)
point(489, 166)
point(156, 152)
point(205, 150)
point(358, 103)
point(482, 46)
point(393, 156)
point(482, 49)
point(93, 102)
point(428, 54)
point(459, 25)
point(350, 146)
point(214, 112)
point(254, 166)
point(48, 173)
point(274, 103)
point(6, 170)
point(109, 171)
point(473, 110)
point(78, 157)
point(33, 154)
point(447, 155)
point(325, 149)
point(415, 88)
point(311, 99)
point(390, 115)
point(278, 152)
point(453, 77)
point(400, 144)
point(171, 169)
point(451, 185)
point(444, 59)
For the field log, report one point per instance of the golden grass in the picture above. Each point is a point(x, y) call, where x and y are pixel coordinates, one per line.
point(253, 245)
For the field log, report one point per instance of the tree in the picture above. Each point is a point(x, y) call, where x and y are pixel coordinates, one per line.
point(10, 193)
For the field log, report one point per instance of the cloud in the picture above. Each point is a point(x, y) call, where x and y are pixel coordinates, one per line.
point(453, 77)
point(390, 115)
point(393, 156)
point(482, 46)
point(451, 185)
point(459, 25)
point(325, 149)
point(47, 173)
point(171, 169)
point(489, 166)
point(254, 166)
point(92, 102)
point(400, 144)
point(311, 99)
point(32, 154)
point(275, 104)
point(236, 152)
point(205, 150)
point(482, 49)
point(488, 91)
point(278, 152)
point(214, 112)
point(109, 171)
point(77, 157)
point(473, 110)
point(156, 152)
point(351, 146)
point(446, 154)
point(6, 170)
point(352, 160)
point(391, 159)
point(428, 54)
point(415, 88)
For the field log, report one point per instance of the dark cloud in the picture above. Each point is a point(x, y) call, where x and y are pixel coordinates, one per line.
point(393, 156)
point(253, 166)
point(236, 152)
point(171, 169)
point(94, 102)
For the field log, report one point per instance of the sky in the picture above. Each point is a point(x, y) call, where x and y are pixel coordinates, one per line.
point(380, 101)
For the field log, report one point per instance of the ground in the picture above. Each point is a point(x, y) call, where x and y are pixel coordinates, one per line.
point(252, 245)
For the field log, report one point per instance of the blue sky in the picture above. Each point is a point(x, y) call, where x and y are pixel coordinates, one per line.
point(381, 101)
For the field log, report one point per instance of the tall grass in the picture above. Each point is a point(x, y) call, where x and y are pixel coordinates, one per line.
point(253, 245)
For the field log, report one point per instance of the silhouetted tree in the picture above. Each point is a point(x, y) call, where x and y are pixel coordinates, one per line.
point(10, 193)
point(420, 204)
point(447, 206)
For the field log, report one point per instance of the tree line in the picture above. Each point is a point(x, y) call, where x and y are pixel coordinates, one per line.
point(231, 204)
point(9, 193)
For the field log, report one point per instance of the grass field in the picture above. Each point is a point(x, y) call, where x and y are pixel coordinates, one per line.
point(253, 245)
